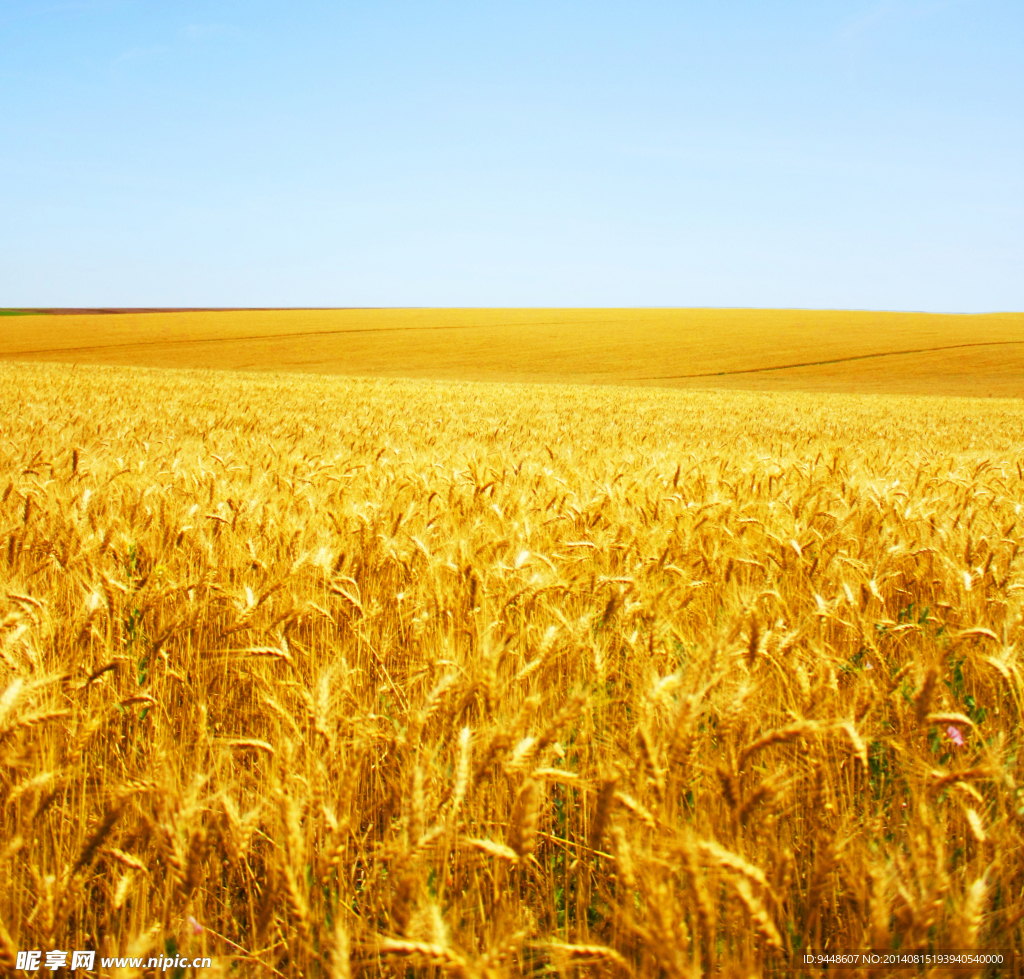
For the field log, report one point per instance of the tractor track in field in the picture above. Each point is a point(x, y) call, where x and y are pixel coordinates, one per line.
point(265, 336)
point(172, 342)
point(836, 360)
point(168, 342)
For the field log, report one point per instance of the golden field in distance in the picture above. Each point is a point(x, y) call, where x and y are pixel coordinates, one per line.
point(808, 350)
point(354, 678)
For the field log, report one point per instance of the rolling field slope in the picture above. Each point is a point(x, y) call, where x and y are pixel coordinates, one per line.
point(908, 353)
point(333, 677)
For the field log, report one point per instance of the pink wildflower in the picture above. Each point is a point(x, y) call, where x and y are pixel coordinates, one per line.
point(196, 928)
point(955, 736)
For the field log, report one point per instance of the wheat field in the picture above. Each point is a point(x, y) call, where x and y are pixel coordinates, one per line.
point(843, 351)
point(334, 677)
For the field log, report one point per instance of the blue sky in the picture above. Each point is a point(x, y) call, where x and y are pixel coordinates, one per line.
point(824, 153)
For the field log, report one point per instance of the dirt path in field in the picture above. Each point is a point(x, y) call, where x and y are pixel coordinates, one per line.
point(837, 360)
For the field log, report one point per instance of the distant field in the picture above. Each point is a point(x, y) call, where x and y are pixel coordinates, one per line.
point(889, 353)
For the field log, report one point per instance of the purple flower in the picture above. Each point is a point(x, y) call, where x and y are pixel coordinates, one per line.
point(955, 736)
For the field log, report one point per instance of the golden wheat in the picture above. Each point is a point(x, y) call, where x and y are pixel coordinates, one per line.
point(346, 678)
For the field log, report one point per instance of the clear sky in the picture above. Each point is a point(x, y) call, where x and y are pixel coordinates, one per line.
point(782, 153)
